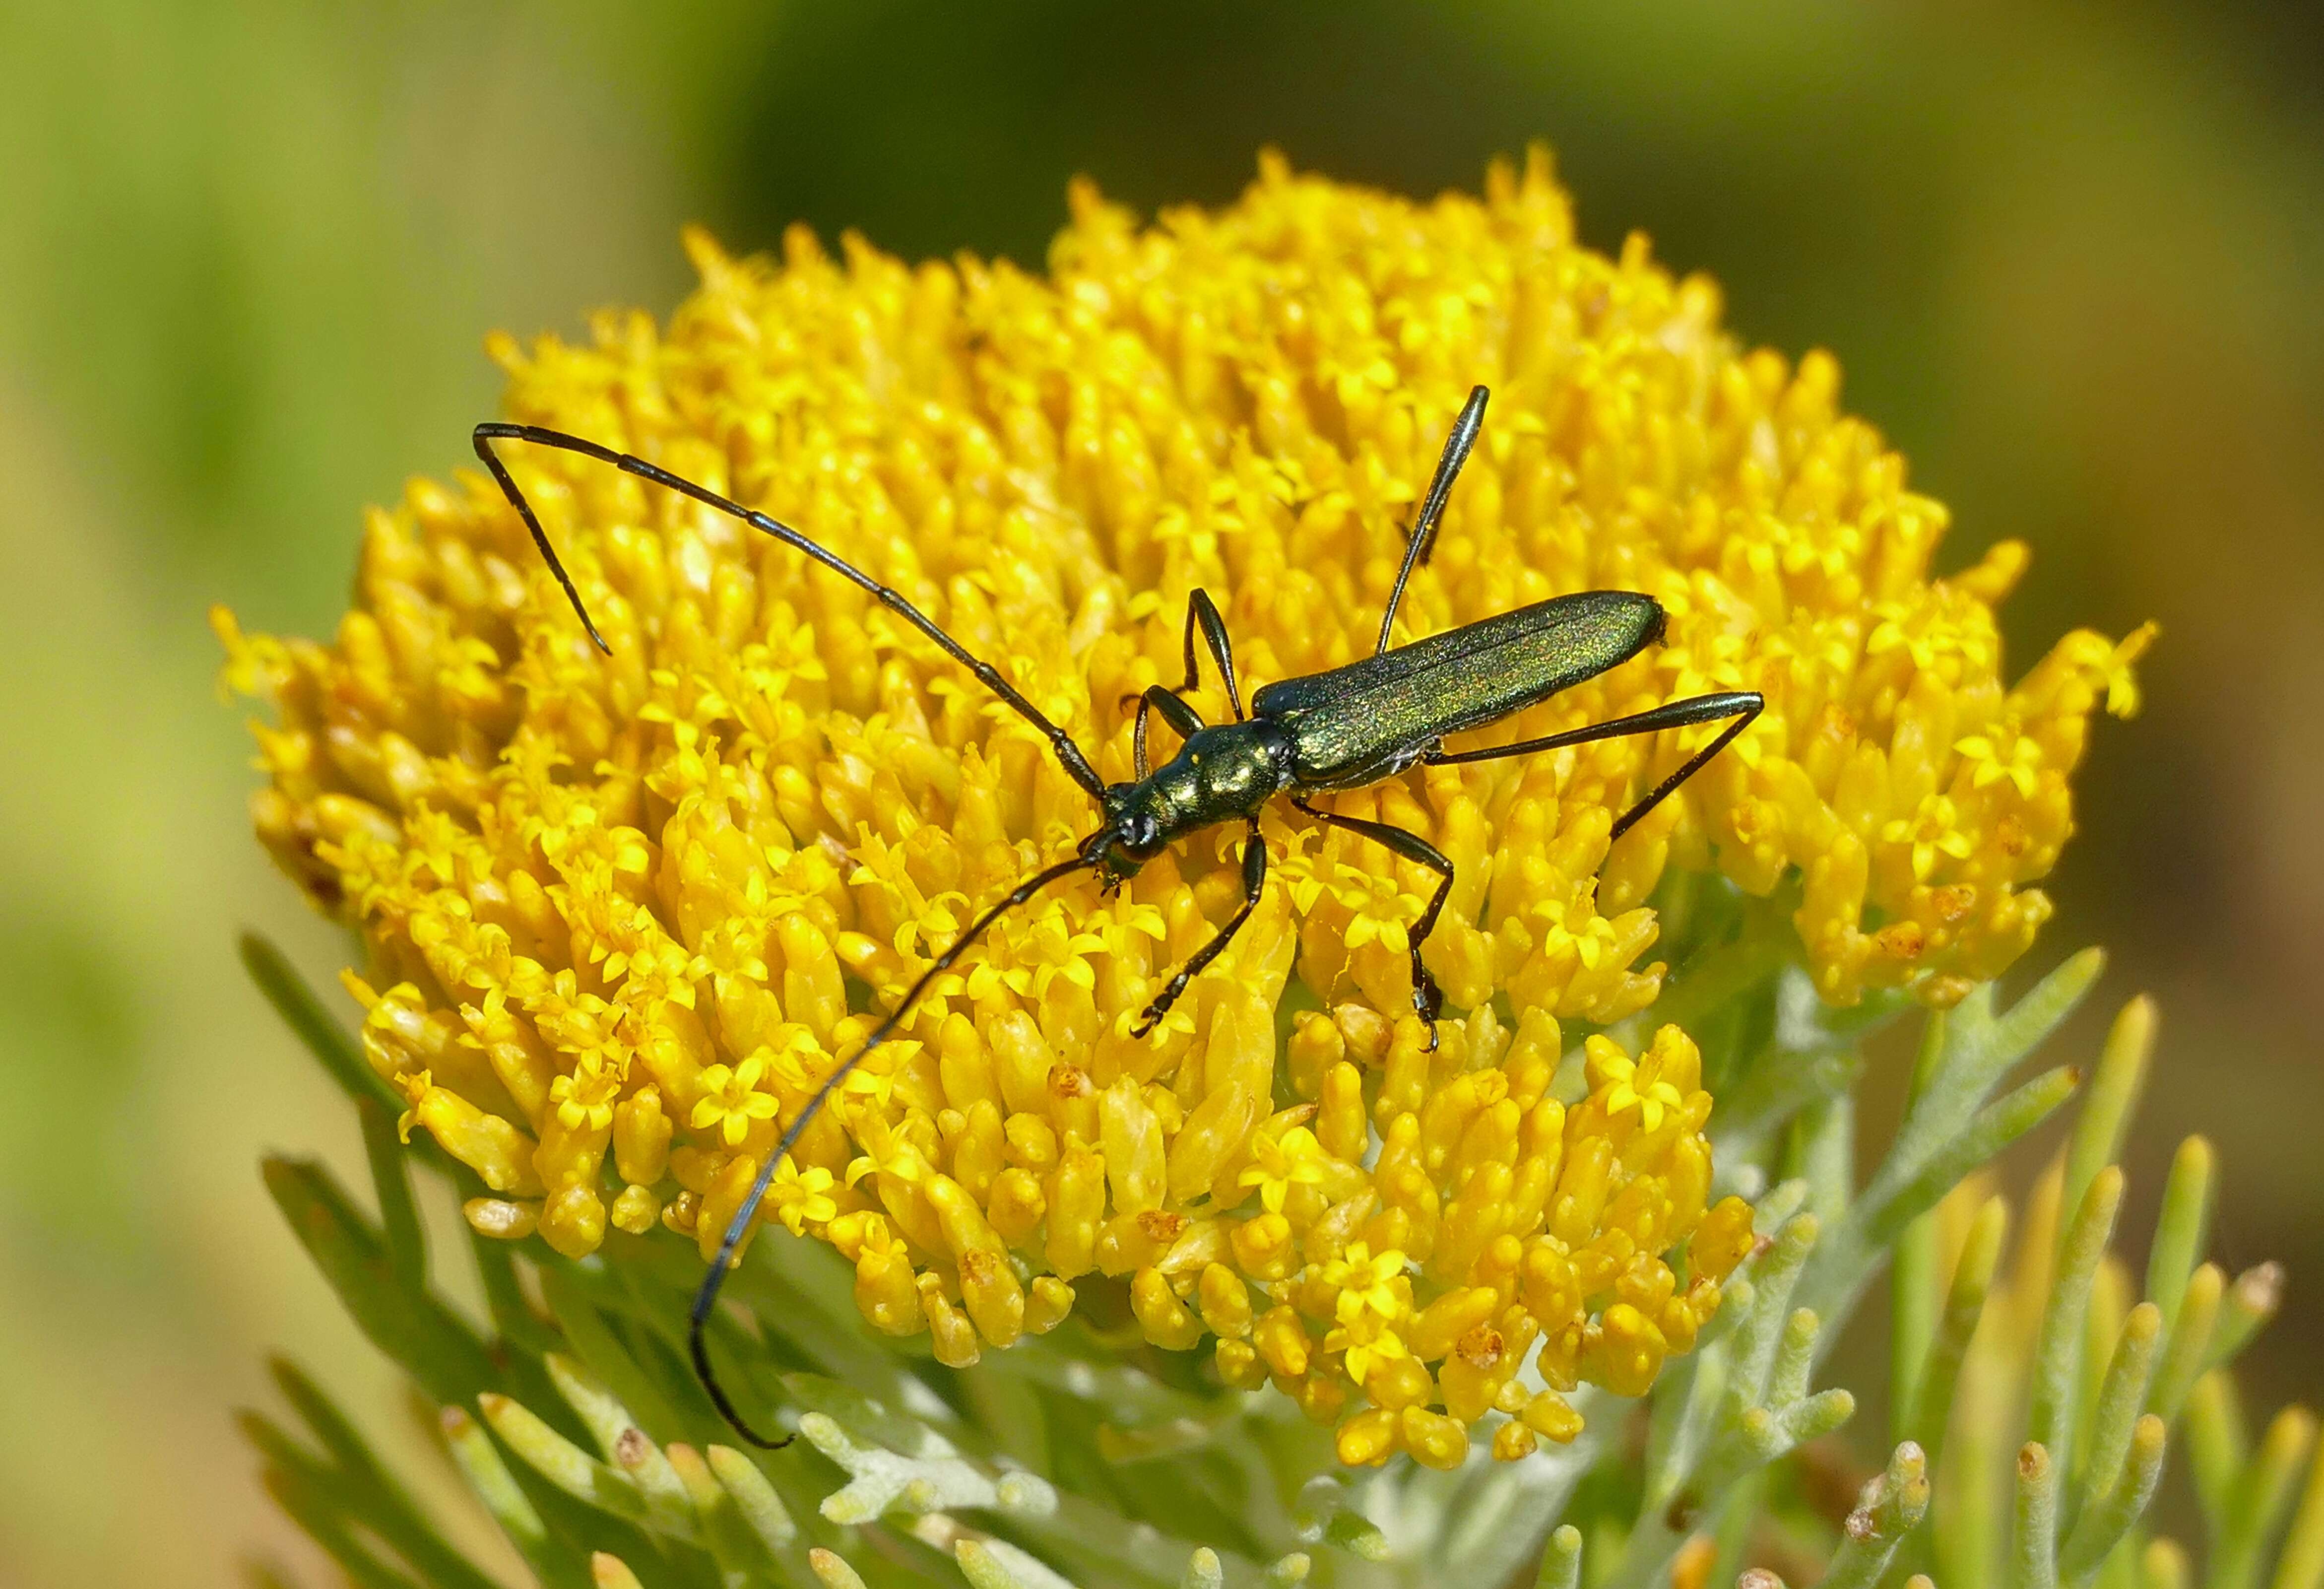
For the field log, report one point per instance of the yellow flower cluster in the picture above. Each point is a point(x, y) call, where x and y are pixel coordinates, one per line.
point(636, 906)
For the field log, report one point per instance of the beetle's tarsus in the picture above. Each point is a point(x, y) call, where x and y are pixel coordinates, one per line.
point(1427, 1001)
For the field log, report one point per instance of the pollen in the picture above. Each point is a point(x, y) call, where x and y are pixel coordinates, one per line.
point(631, 912)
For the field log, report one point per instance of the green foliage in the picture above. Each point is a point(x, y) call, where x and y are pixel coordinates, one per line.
point(1086, 1457)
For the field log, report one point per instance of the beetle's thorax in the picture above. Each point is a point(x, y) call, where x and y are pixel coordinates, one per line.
point(1220, 774)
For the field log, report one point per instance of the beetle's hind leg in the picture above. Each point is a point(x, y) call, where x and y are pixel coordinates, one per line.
point(1427, 998)
point(1741, 705)
point(1254, 883)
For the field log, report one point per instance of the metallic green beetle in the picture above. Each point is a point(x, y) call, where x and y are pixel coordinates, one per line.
point(1351, 727)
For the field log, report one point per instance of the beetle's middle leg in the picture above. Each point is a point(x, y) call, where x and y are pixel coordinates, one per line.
point(1254, 883)
point(1427, 998)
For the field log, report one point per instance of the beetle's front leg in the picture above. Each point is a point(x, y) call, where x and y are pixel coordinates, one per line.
point(1176, 713)
point(1254, 883)
point(1427, 998)
point(1202, 616)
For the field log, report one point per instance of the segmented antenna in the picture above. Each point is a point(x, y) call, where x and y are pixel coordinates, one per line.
point(707, 1298)
point(1061, 744)
point(1069, 756)
point(1422, 539)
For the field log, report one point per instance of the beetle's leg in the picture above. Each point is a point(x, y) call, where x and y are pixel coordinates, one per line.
point(1742, 706)
point(1202, 610)
point(1427, 998)
point(1202, 617)
point(1254, 881)
point(1422, 539)
point(1176, 713)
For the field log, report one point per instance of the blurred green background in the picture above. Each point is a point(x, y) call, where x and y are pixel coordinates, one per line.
point(2071, 257)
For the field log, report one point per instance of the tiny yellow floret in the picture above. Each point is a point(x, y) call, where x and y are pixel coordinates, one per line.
point(1281, 1162)
point(800, 1198)
point(730, 1100)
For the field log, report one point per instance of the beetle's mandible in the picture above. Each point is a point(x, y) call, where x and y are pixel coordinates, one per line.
point(1341, 729)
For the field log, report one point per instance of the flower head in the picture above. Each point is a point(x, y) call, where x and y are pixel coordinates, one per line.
point(627, 906)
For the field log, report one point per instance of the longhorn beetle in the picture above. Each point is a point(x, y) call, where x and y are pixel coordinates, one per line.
point(1342, 729)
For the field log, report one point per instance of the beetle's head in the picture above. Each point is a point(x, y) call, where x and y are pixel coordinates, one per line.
point(1133, 833)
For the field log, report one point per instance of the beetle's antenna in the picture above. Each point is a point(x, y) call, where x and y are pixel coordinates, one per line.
point(1068, 753)
point(1422, 539)
point(707, 1298)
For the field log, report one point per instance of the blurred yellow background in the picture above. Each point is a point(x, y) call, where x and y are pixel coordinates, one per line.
point(2071, 258)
